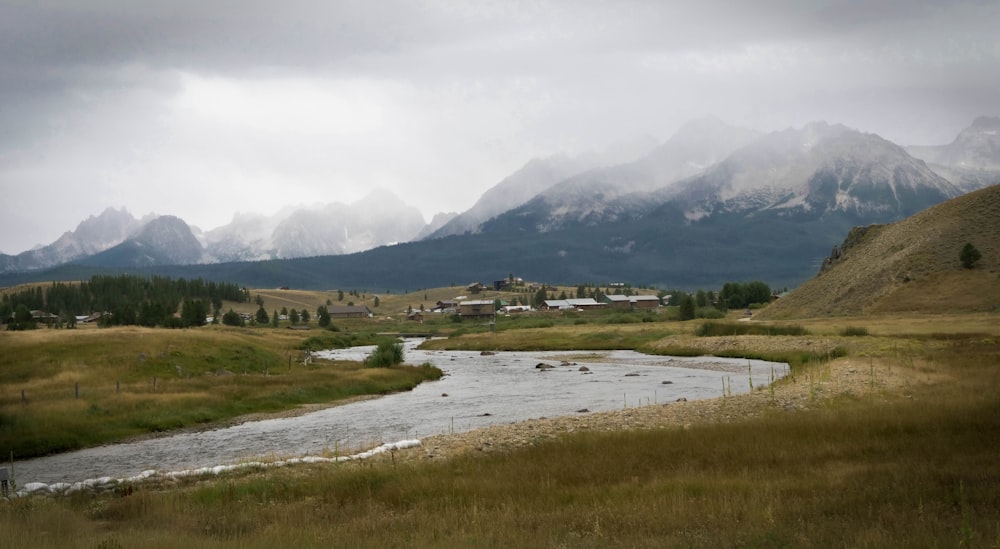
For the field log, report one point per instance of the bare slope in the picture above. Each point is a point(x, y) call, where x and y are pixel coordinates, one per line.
point(912, 265)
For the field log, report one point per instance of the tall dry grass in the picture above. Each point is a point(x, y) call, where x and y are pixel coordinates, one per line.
point(917, 469)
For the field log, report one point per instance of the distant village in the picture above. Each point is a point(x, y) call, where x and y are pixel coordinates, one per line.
point(472, 308)
point(507, 296)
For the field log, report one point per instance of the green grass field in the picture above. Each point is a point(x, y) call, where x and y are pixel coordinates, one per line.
point(67, 389)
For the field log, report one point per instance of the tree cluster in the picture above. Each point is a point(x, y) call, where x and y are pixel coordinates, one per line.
point(737, 295)
point(129, 300)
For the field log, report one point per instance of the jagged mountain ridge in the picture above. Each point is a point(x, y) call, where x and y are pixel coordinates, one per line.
point(811, 171)
point(535, 177)
point(972, 160)
point(246, 238)
point(339, 229)
point(165, 240)
point(814, 183)
point(378, 219)
point(91, 236)
point(116, 238)
point(977, 146)
point(819, 168)
point(614, 193)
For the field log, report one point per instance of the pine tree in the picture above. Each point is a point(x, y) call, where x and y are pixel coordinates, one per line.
point(687, 307)
point(261, 316)
point(969, 255)
point(540, 297)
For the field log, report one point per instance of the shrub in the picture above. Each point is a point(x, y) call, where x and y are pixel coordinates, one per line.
point(232, 318)
point(328, 340)
point(709, 312)
point(854, 331)
point(713, 329)
point(387, 353)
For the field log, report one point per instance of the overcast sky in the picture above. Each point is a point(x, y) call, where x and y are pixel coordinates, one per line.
point(202, 109)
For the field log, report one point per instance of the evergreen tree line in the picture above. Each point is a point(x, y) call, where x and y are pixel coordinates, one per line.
point(737, 295)
point(128, 299)
point(733, 295)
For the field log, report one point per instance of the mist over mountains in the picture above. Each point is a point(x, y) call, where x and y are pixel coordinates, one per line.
point(712, 203)
point(972, 160)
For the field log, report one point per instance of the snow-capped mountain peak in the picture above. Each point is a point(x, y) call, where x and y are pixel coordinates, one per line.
point(820, 167)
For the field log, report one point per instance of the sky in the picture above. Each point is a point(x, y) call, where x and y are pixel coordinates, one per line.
point(204, 109)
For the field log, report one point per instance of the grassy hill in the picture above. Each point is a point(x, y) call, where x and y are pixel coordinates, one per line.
point(909, 266)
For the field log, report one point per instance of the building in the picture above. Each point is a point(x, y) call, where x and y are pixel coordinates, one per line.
point(415, 316)
point(618, 301)
point(445, 306)
point(44, 317)
point(476, 308)
point(644, 301)
point(477, 287)
point(632, 302)
point(349, 311)
point(91, 318)
point(578, 303)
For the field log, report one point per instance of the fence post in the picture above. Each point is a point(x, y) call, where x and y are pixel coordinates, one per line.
point(23, 399)
point(77, 390)
point(118, 386)
point(154, 384)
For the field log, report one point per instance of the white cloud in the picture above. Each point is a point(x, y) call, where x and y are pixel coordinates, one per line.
point(310, 107)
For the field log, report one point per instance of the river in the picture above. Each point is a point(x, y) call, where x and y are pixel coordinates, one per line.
point(476, 391)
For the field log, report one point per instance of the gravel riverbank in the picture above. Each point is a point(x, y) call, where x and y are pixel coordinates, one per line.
point(850, 376)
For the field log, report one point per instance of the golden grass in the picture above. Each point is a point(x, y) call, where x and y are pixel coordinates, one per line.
point(946, 292)
point(916, 468)
point(568, 337)
point(922, 324)
point(911, 266)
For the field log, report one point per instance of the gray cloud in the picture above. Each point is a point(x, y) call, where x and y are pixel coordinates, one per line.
point(202, 108)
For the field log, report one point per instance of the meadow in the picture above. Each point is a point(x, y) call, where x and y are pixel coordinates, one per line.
point(67, 389)
point(909, 467)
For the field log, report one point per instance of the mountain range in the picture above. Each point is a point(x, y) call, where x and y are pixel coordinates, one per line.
point(712, 203)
